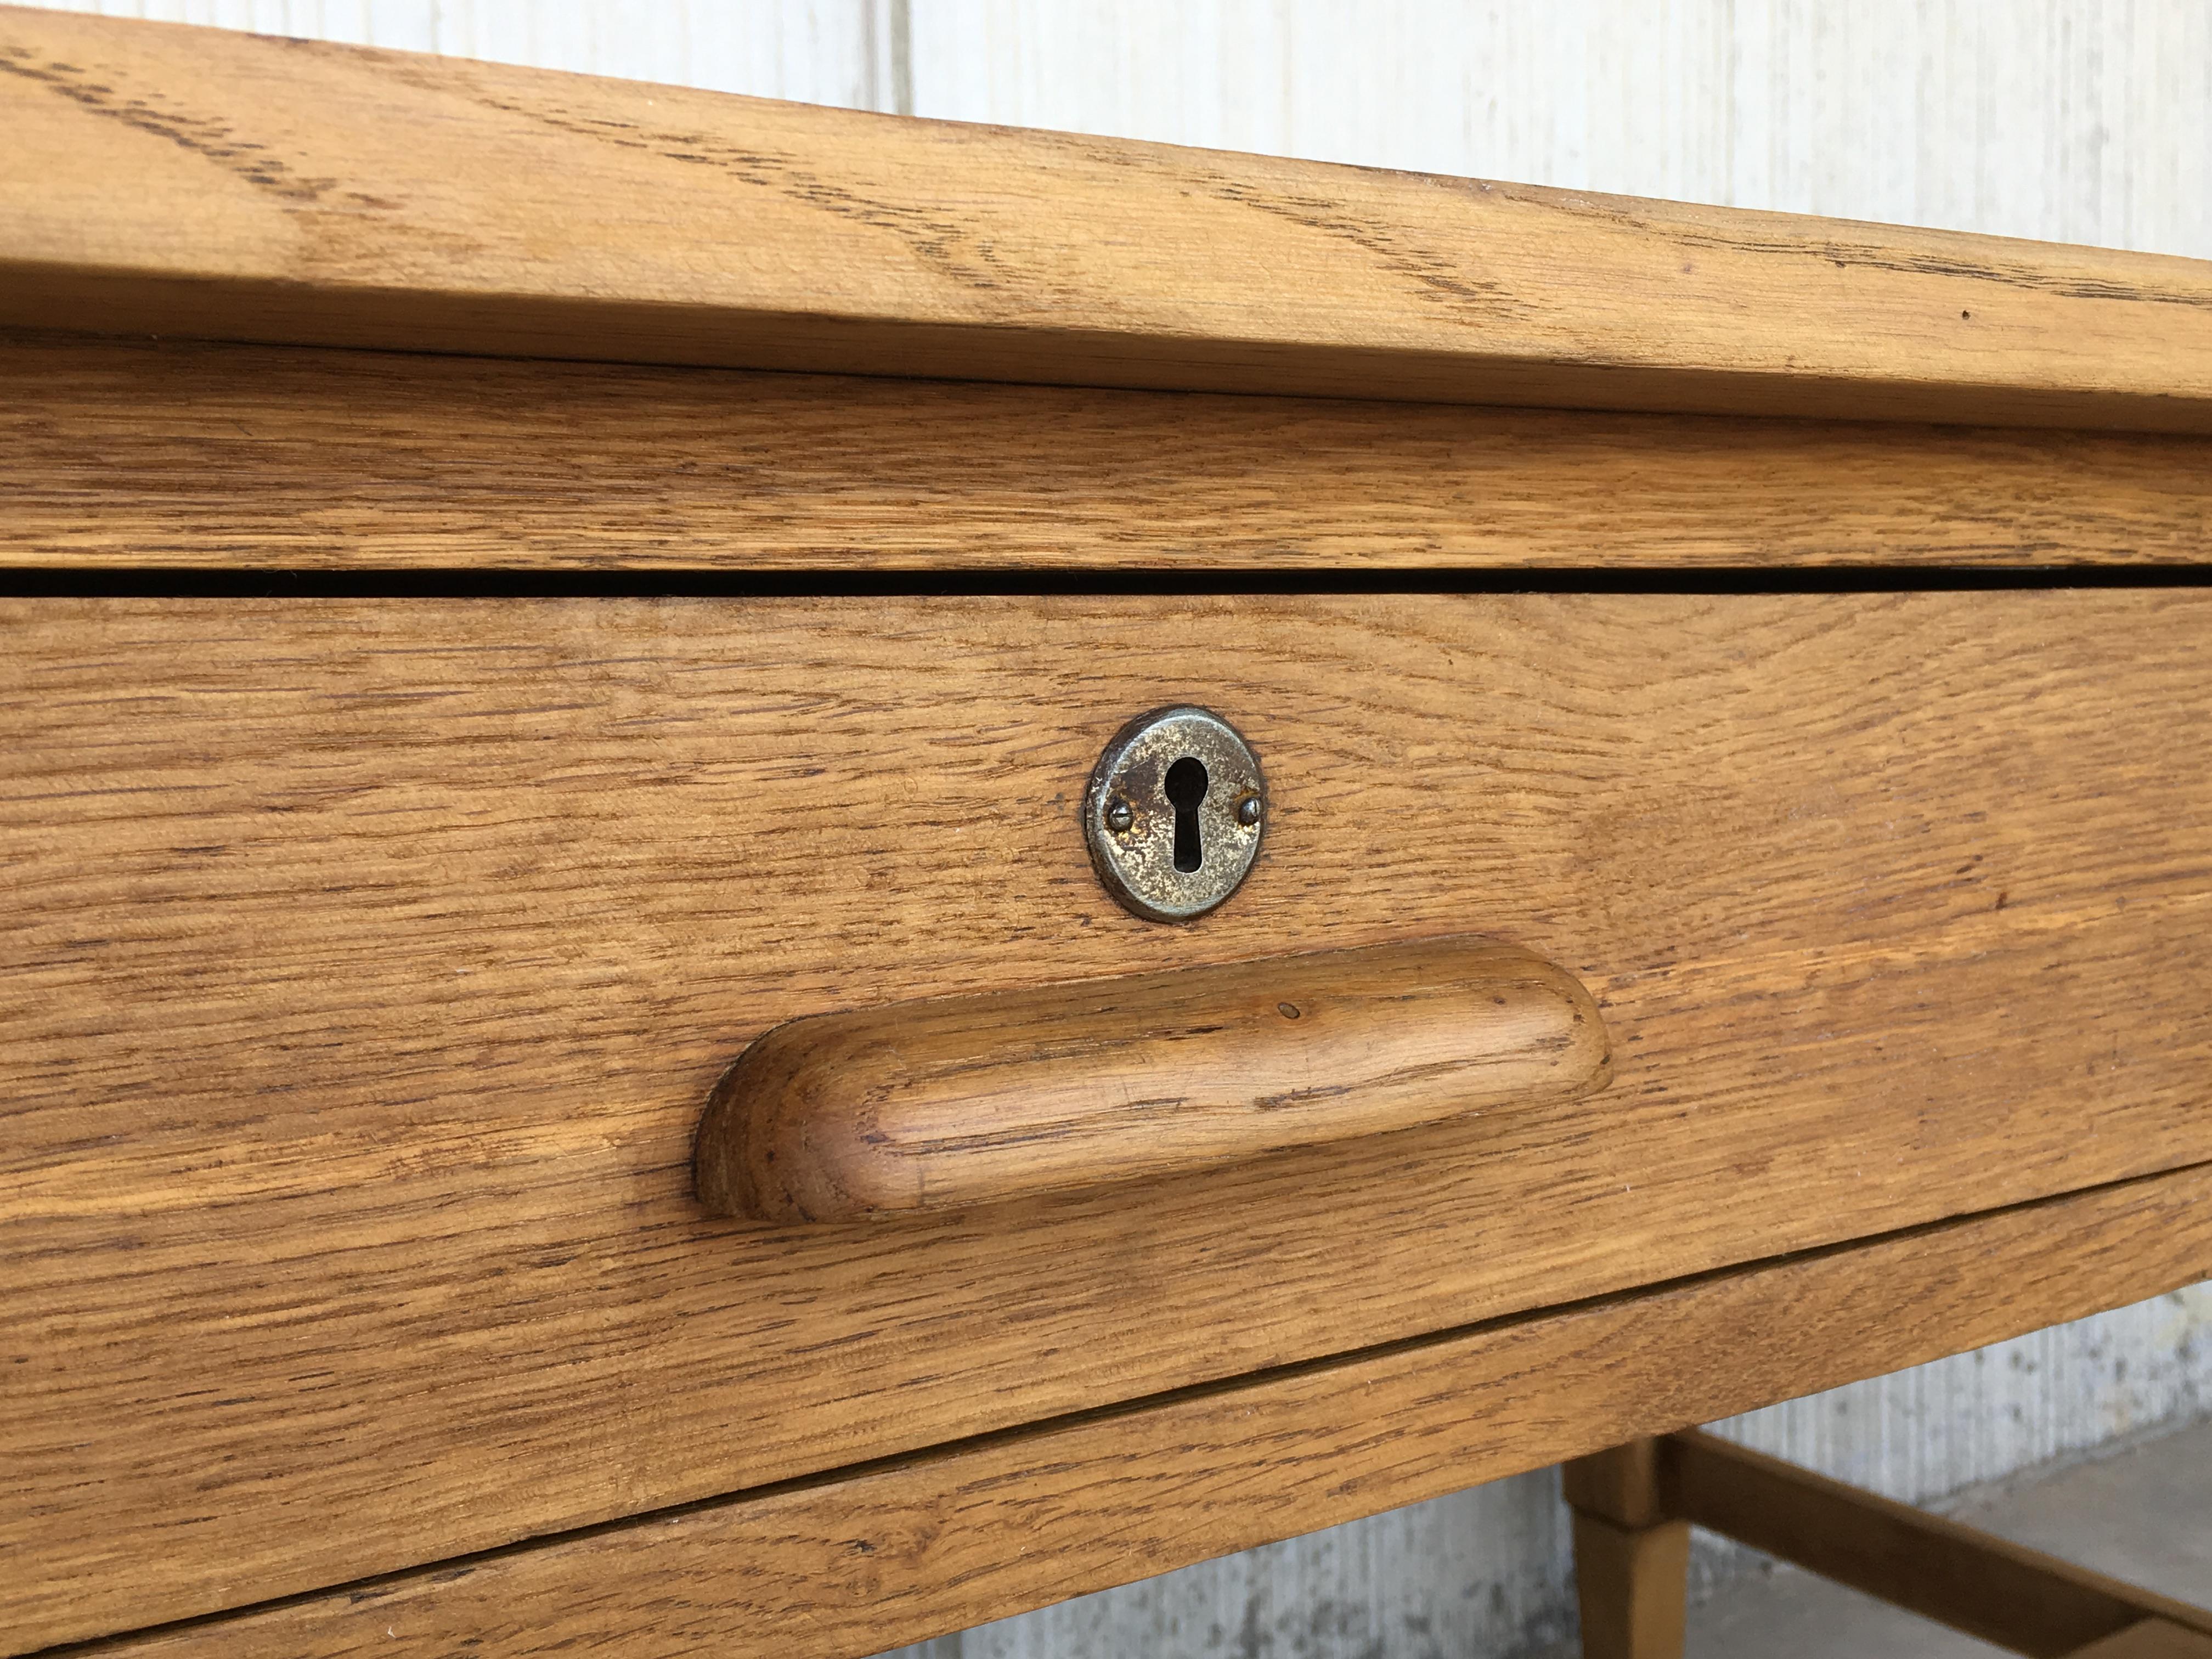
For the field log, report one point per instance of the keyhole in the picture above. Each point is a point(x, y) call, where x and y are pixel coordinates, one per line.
point(1186, 785)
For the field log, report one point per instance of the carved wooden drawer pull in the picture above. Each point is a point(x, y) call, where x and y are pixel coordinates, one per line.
point(933, 1106)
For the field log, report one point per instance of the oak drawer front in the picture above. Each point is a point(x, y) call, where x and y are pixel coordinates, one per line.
point(369, 963)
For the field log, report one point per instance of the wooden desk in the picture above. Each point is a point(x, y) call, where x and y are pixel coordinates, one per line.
point(521, 584)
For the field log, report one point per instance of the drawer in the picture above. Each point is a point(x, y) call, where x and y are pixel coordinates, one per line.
point(370, 962)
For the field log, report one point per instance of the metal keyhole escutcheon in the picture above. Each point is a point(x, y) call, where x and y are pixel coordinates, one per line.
point(1175, 812)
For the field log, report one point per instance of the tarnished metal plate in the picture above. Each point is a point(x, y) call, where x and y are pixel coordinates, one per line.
point(1175, 812)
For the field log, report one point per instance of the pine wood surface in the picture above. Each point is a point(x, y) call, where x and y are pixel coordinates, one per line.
point(871, 1558)
point(123, 454)
point(2016, 1598)
point(941, 1105)
point(371, 963)
point(196, 182)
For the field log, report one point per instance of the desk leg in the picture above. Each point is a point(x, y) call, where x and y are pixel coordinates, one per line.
point(1632, 1555)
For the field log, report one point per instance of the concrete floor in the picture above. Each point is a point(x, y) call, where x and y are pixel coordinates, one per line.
point(2143, 1514)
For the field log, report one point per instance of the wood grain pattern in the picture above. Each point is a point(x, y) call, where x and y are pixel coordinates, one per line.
point(367, 961)
point(858, 1563)
point(934, 1106)
point(203, 183)
point(124, 454)
point(1993, 1590)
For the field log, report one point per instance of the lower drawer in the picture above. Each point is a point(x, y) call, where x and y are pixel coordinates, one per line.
point(368, 963)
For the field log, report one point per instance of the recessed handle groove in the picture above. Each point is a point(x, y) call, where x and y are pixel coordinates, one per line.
point(961, 1101)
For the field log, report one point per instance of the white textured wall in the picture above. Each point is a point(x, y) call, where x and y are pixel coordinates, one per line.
point(2074, 120)
point(2084, 121)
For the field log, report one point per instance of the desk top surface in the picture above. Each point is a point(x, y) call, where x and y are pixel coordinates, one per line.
point(193, 181)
